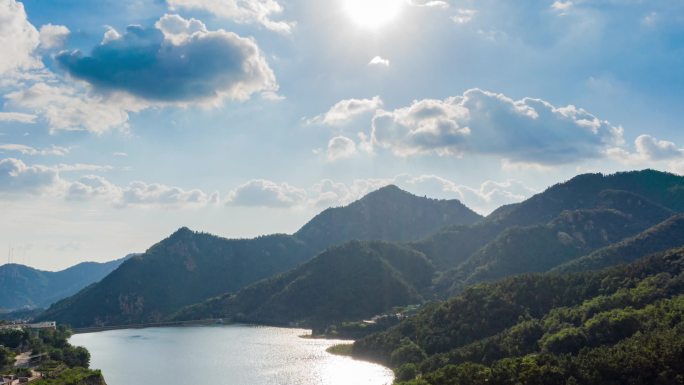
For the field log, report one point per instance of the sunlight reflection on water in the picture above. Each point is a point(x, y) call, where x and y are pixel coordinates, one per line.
point(230, 355)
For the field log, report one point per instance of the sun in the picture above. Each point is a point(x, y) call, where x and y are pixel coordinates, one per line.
point(372, 14)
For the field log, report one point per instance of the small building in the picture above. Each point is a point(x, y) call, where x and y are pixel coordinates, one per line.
point(43, 325)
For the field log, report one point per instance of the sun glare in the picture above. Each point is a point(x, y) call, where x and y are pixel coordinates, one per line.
point(372, 13)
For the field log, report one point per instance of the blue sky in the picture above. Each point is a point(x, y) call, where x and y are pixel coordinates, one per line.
point(121, 121)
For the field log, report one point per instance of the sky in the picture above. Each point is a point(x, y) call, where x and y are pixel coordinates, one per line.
point(121, 121)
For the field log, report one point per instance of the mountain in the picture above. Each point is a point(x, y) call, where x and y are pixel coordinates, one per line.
point(183, 269)
point(663, 236)
point(540, 248)
point(353, 281)
point(648, 196)
point(588, 191)
point(26, 287)
point(388, 214)
point(189, 267)
point(616, 326)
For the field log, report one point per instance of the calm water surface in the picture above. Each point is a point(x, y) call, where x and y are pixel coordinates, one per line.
point(229, 355)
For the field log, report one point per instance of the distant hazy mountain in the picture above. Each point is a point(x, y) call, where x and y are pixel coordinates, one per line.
point(348, 282)
point(664, 236)
point(25, 287)
point(389, 214)
point(189, 267)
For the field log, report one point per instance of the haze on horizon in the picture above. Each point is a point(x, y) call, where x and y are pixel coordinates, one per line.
point(121, 121)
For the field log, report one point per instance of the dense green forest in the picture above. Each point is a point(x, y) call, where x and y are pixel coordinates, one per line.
point(624, 325)
point(61, 364)
point(353, 281)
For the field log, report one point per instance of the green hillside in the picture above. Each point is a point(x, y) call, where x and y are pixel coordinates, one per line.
point(353, 281)
point(663, 236)
point(624, 325)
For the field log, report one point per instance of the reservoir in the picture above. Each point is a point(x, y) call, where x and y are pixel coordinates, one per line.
point(223, 354)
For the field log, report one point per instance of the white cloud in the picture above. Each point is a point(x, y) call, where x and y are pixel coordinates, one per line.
point(464, 15)
point(241, 11)
point(651, 148)
point(143, 194)
point(17, 117)
point(27, 150)
point(120, 154)
point(379, 61)
point(647, 149)
point(562, 6)
point(483, 199)
point(70, 109)
point(265, 193)
point(328, 193)
point(18, 39)
point(340, 147)
point(17, 178)
point(138, 194)
point(53, 36)
point(478, 122)
point(429, 3)
point(345, 110)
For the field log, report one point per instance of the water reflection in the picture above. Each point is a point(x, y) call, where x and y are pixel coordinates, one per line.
point(230, 355)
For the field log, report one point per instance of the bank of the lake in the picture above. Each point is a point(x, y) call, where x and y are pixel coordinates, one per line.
point(224, 354)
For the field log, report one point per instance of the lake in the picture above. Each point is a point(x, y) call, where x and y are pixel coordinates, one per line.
point(223, 354)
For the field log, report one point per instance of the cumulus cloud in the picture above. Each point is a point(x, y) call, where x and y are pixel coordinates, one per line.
point(340, 147)
point(241, 11)
point(265, 193)
point(328, 193)
point(137, 194)
point(27, 150)
point(463, 15)
point(652, 152)
point(379, 61)
point(18, 39)
point(651, 148)
point(18, 117)
point(18, 177)
point(345, 110)
point(484, 198)
point(70, 109)
point(177, 61)
point(480, 122)
point(53, 36)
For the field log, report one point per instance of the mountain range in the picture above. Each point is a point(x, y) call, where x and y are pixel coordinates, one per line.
point(189, 267)
point(316, 276)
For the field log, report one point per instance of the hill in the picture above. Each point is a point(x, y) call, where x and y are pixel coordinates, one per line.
point(388, 214)
point(616, 326)
point(24, 287)
point(663, 236)
point(353, 281)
